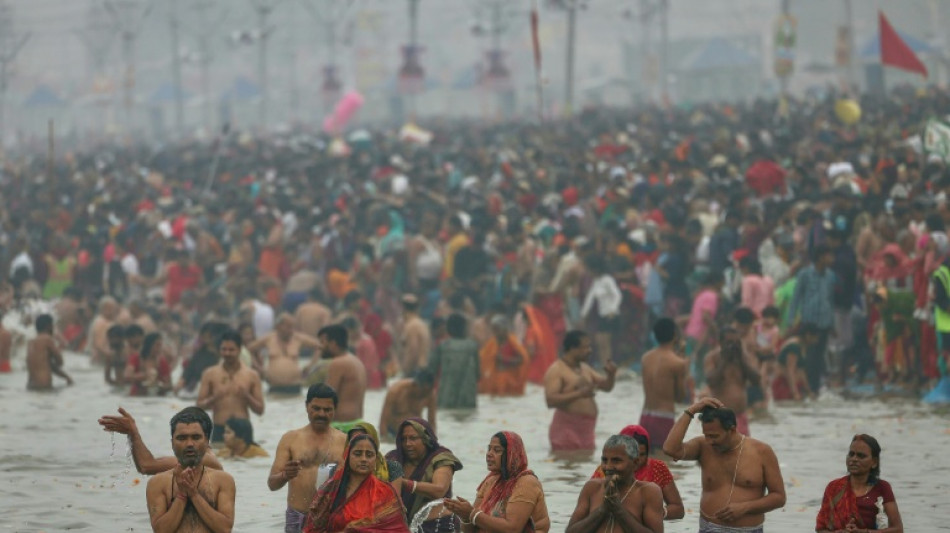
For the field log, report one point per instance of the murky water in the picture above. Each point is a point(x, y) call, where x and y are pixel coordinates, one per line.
point(59, 471)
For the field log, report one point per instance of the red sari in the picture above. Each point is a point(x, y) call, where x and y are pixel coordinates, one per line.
point(838, 506)
point(373, 507)
point(541, 338)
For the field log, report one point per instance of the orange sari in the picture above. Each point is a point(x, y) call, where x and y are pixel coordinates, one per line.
point(504, 368)
point(373, 507)
point(540, 336)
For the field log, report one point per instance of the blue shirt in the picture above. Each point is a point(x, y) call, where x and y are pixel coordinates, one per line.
point(814, 297)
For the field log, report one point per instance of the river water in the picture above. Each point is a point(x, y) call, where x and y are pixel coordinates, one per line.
point(59, 471)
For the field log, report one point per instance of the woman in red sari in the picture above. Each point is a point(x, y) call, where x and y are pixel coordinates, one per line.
point(851, 503)
point(510, 498)
point(653, 470)
point(354, 500)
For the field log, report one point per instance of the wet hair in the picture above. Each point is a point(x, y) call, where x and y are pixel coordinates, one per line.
point(503, 440)
point(149, 343)
point(744, 316)
point(323, 392)
point(643, 440)
point(573, 339)
point(230, 335)
point(44, 323)
point(335, 333)
point(771, 312)
point(424, 377)
point(664, 330)
point(242, 429)
point(725, 416)
point(872, 443)
point(456, 325)
point(192, 415)
point(133, 330)
point(340, 498)
point(630, 445)
point(115, 331)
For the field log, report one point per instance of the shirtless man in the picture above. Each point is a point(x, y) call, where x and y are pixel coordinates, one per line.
point(108, 315)
point(666, 380)
point(569, 386)
point(345, 374)
point(43, 358)
point(115, 365)
point(741, 477)
point(301, 453)
point(140, 316)
point(618, 499)
point(407, 398)
point(729, 374)
point(191, 498)
point(283, 347)
point(312, 315)
point(145, 462)
point(230, 388)
point(416, 340)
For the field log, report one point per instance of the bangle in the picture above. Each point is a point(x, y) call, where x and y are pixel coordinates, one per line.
point(414, 484)
point(475, 516)
point(471, 514)
point(688, 413)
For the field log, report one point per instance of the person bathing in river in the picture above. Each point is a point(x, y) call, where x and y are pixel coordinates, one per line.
point(741, 476)
point(239, 440)
point(407, 398)
point(191, 498)
point(619, 499)
point(569, 387)
point(302, 452)
point(230, 388)
point(43, 358)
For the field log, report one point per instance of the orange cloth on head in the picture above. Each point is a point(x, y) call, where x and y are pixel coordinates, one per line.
point(507, 379)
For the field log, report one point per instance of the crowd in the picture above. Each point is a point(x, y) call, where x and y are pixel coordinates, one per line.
point(756, 252)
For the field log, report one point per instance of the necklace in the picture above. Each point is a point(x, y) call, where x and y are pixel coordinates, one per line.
point(735, 474)
point(612, 521)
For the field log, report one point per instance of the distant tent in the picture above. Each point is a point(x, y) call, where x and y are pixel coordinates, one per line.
point(167, 93)
point(43, 96)
point(872, 47)
point(242, 89)
point(718, 53)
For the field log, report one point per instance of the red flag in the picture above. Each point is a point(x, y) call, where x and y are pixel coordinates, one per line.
point(895, 52)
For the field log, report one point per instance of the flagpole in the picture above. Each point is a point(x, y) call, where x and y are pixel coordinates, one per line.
point(535, 41)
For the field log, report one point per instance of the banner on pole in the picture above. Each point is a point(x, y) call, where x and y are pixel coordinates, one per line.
point(937, 139)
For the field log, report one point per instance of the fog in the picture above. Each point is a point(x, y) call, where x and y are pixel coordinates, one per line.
point(73, 65)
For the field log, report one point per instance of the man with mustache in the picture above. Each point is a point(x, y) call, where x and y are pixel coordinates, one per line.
point(302, 452)
point(618, 501)
point(741, 477)
point(191, 498)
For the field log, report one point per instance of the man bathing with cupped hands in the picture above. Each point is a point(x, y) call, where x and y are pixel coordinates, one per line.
point(191, 498)
point(741, 477)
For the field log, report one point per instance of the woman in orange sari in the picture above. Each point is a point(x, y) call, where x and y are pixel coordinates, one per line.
point(504, 362)
point(540, 343)
point(354, 500)
point(510, 498)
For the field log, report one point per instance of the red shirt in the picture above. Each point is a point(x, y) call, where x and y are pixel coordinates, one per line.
point(180, 280)
point(164, 373)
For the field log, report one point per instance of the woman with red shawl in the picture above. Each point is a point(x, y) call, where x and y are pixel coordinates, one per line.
point(510, 498)
point(891, 282)
point(354, 500)
point(860, 501)
point(652, 470)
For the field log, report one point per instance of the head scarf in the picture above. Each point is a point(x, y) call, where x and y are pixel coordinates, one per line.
point(636, 430)
point(514, 466)
point(436, 455)
point(382, 470)
point(373, 506)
